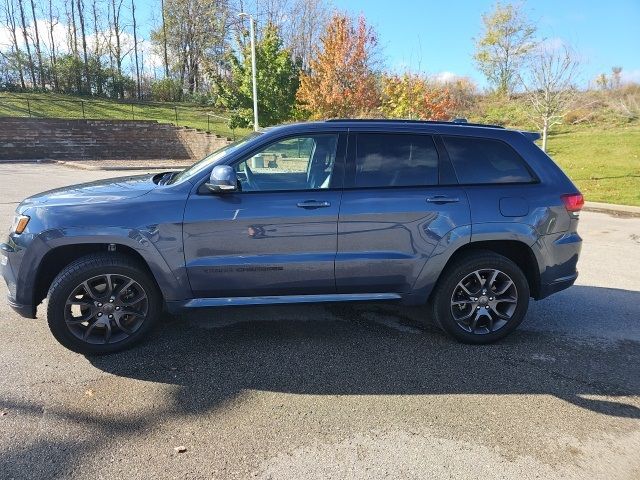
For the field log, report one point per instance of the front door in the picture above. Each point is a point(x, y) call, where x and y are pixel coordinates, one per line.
point(278, 235)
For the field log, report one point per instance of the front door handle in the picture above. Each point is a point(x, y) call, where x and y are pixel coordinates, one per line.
point(311, 204)
point(439, 199)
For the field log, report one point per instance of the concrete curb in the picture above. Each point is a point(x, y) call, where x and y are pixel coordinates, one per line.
point(612, 209)
point(80, 166)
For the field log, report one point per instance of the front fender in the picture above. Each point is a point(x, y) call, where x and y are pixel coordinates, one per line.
point(169, 272)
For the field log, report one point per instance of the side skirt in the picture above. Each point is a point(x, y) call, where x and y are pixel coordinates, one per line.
point(174, 307)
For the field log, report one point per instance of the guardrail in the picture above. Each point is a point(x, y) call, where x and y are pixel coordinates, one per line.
point(179, 115)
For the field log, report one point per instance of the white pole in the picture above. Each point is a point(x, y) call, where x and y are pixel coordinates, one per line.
point(253, 74)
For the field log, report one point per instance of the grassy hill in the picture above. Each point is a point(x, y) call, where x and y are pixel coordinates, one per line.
point(603, 161)
point(66, 106)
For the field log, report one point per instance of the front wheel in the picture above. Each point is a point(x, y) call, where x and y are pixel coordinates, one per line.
point(480, 298)
point(102, 303)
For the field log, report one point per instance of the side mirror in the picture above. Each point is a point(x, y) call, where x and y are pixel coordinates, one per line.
point(223, 179)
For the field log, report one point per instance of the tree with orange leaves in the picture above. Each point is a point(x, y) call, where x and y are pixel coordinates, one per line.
point(340, 82)
point(411, 96)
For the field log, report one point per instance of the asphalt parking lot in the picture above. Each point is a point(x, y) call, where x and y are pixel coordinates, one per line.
point(335, 391)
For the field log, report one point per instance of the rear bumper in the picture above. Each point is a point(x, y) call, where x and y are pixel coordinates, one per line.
point(558, 285)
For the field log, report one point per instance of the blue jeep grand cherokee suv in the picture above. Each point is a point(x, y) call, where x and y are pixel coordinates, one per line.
point(470, 220)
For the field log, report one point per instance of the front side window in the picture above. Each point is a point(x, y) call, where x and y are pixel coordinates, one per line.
point(395, 160)
point(298, 163)
point(484, 161)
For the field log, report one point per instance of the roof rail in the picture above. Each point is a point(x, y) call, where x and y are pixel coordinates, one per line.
point(458, 121)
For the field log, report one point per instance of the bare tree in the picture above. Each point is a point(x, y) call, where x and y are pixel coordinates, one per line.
point(97, 49)
point(116, 6)
point(12, 27)
point(307, 21)
point(549, 86)
point(37, 45)
point(32, 70)
point(73, 29)
point(164, 43)
point(616, 77)
point(135, 47)
point(52, 54)
point(85, 57)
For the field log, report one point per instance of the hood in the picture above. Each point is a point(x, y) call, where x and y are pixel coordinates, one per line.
point(108, 190)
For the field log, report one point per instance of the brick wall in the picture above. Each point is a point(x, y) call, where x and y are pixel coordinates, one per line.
point(59, 139)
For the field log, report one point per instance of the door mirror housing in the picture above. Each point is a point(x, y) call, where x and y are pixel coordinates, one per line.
point(223, 179)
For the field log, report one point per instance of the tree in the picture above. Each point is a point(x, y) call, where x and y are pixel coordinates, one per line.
point(341, 81)
point(549, 86)
point(26, 42)
point(135, 49)
point(85, 64)
point(37, 45)
point(616, 77)
point(52, 23)
point(15, 56)
point(277, 82)
point(507, 39)
point(410, 96)
point(195, 33)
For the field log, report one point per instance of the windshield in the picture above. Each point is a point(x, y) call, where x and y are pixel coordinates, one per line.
point(211, 159)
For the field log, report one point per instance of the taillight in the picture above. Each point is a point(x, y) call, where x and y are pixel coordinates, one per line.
point(573, 202)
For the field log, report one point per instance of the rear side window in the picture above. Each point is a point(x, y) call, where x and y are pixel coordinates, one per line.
point(395, 160)
point(482, 160)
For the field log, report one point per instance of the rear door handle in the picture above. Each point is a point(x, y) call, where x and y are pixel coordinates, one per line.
point(311, 204)
point(438, 199)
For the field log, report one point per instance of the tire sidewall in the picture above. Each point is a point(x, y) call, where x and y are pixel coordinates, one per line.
point(459, 270)
point(61, 290)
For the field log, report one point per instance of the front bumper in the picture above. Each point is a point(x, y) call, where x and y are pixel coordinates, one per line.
point(26, 311)
point(7, 269)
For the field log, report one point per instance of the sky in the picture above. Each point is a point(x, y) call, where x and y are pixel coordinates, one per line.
point(436, 37)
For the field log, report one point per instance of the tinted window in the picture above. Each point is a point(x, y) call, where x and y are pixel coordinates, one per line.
point(387, 160)
point(481, 160)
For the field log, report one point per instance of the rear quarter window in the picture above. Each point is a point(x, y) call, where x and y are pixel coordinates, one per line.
point(486, 161)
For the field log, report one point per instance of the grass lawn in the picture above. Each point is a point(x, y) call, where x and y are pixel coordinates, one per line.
point(603, 162)
point(65, 106)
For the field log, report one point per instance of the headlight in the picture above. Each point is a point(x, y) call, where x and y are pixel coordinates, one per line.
point(19, 223)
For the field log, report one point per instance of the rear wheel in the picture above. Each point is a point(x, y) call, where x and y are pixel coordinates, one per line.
point(480, 298)
point(102, 303)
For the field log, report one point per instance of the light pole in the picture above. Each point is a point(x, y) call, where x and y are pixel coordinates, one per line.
point(253, 68)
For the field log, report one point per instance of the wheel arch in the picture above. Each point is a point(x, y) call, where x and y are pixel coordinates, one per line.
point(56, 259)
point(515, 250)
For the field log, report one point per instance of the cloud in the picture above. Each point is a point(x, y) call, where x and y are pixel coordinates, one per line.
point(445, 77)
point(630, 76)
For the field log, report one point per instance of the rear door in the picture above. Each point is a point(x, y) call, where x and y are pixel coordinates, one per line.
point(395, 210)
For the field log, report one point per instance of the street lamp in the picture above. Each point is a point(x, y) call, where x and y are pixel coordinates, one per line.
point(253, 68)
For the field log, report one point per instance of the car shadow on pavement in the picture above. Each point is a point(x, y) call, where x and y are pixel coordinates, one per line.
point(382, 349)
point(209, 358)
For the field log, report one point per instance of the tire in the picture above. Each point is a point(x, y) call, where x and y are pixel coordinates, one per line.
point(82, 309)
point(459, 293)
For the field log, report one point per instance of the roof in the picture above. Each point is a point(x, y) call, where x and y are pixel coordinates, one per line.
point(458, 122)
point(454, 127)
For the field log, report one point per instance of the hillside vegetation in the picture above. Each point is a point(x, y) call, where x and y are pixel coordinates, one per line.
point(603, 161)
